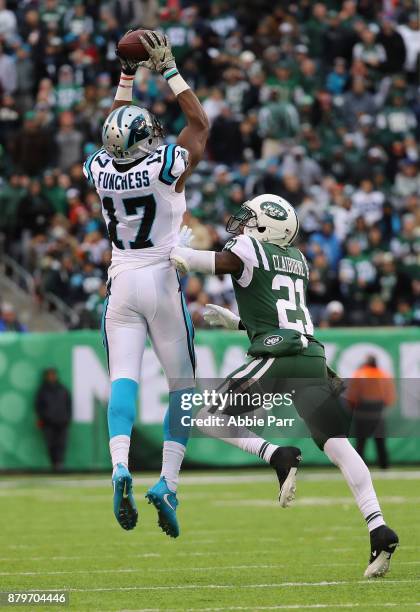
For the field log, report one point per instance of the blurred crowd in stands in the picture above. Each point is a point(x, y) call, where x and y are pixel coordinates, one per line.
point(318, 102)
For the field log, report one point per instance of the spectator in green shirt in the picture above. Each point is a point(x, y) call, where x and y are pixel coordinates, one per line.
point(55, 194)
point(315, 28)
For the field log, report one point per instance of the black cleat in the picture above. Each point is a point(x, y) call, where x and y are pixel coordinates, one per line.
point(285, 460)
point(383, 542)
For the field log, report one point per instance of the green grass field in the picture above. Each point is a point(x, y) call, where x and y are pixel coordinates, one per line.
point(238, 549)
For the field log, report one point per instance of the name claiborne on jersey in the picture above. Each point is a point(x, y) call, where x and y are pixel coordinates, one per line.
point(289, 265)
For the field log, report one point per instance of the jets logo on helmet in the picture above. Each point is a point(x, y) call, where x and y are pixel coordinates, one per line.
point(130, 133)
point(274, 210)
point(267, 218)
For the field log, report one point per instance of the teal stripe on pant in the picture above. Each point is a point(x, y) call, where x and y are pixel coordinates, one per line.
point(103, 329)
point(122, 407)
point(190, 331)
point(173, 428)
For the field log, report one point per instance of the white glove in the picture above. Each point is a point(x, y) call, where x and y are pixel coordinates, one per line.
point(184, 258)
point(159, 49)
point(185, 236)
point(178, 260)
point(217, 315)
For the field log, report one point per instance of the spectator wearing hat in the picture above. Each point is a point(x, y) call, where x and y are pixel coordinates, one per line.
point(9, 321)
point(334, 315)
point(371, 52)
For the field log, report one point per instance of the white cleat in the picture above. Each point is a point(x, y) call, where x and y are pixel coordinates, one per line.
point(379, 567)
point(285, 460)
point(383, 543)
point(288, 490)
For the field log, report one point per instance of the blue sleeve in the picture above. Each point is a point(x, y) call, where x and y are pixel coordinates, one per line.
point(175, 161)
point(87, 166)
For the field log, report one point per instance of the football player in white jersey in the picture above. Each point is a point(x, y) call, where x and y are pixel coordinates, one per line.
point(140, 181)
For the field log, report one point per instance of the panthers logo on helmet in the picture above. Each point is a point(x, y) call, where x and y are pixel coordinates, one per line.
point(272, 340)
point(274, 211)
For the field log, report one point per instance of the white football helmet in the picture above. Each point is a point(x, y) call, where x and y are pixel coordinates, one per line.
point(267, 218)
point(131, 132)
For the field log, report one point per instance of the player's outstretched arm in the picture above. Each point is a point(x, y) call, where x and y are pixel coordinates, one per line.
point(186, 260)
point(194, 136)
point(124, 94)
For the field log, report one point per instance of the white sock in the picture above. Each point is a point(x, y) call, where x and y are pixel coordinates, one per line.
point(357, 475)
point(172, 457)
point(119, 447)
point(254, 446)
point(241, 437)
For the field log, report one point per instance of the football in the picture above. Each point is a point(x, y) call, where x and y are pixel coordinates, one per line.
point(130, 46)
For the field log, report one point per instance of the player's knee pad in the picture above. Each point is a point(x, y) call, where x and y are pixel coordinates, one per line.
point(122, 406)
point(175, 426)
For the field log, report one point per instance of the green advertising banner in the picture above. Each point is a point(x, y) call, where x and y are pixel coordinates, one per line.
point(80, 360)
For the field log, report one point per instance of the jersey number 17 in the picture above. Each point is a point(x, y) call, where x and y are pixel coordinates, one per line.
point(132, 206)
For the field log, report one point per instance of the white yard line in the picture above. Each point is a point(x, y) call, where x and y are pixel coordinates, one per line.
point(146, 569)
point(275, 585)
point(202, 479)
point(280, 607)
point(311, 501)
point(183, 569)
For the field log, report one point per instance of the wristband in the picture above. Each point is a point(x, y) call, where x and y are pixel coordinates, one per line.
point(175, 81)
point(125, 88)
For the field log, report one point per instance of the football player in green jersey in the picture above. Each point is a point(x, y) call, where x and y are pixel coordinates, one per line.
point(270, 278)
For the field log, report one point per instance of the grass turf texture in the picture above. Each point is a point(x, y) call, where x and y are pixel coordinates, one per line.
point(238, 550)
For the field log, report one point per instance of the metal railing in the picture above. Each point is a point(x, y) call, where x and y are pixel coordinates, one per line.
point(25, 281)
point(21, 277)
